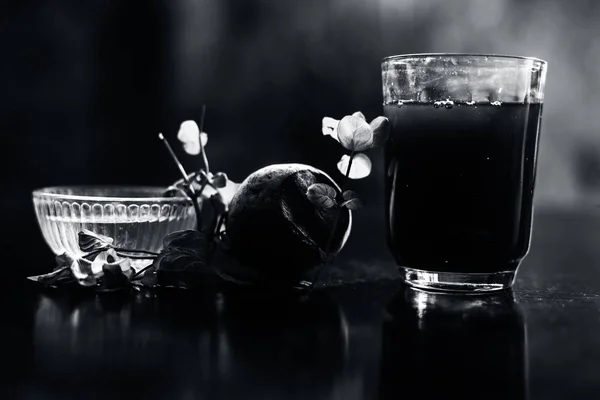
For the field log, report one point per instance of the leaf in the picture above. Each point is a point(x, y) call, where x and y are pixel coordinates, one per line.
point(330, 126)
point(189, 134)
point(321, 195)
point(355, 134)
point(351, 200)
point(183, 261)
point(361, 166)
point(189, 239)
point(224, 194)
point(181, 268)
point(353, 204)
point(359, 115)
point(349, 195)
point(381, 130)
point(90, 241)
point(149, 279)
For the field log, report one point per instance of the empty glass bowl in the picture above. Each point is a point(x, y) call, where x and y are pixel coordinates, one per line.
point(135, 217)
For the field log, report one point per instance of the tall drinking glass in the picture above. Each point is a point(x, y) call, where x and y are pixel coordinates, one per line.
point(461, 166)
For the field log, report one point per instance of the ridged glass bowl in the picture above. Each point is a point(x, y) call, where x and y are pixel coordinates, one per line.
point(135, 217)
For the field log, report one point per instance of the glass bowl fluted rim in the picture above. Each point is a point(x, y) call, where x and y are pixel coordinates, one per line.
point(464, 55)
point(50, 192)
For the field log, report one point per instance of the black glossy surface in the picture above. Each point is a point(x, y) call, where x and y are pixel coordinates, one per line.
point(366, 340)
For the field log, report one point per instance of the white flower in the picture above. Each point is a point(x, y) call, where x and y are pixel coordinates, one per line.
point(361, 166)
point(189, 134)
point(330, 126)
point(354, 133)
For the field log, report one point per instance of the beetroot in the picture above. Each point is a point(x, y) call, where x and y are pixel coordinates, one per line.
point(274, 230)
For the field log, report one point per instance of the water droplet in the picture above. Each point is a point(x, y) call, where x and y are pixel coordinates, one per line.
point(400, 103)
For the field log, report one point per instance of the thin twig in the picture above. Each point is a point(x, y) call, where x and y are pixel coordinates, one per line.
point(202, 151)
point(133, 257)
point(188, 187)
point(339, 210)
point(335, 221)
point(141, 271)
point(124, 250)
point(207, 182)
point(190, 177)
point(174, 157)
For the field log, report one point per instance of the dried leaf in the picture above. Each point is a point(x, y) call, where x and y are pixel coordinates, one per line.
point(321, 195)
point(98, 263)
point(361, 166)
point(355, 134)
point(90, 241)
point(189, 134)
point(330, 126)
point(113, 277)
point(60, 276)
point(63, 260)
point(381, 130)
point(82, 271)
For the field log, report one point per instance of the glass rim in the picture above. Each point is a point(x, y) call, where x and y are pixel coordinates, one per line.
point(463, 55)
point(47, 192)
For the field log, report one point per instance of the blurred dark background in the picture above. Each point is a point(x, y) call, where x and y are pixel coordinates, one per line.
point(87, 85)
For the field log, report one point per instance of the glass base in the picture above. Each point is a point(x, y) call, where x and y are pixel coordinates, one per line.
point(458, 282)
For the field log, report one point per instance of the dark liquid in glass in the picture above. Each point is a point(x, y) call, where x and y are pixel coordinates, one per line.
point(459, 184)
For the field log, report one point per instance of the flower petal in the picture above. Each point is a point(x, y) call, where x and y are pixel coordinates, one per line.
point(361, 166)
point(381, 130)
point(359, 115)
point(330, 126)
point(355, 134)
point(204, 139)
point(189, 135)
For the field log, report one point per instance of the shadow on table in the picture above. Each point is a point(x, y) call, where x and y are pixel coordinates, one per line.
point(183, 345)
point(441, 346)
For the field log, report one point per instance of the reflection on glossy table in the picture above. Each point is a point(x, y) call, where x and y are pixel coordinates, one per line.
point(368, 339)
